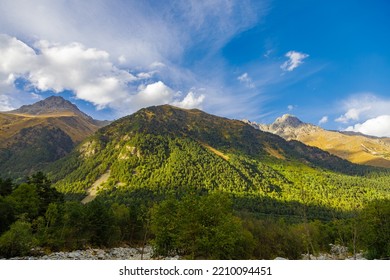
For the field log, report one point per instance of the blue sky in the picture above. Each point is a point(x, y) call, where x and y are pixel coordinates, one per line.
point(327, 62)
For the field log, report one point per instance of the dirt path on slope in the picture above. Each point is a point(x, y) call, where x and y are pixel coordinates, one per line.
point(92, 191)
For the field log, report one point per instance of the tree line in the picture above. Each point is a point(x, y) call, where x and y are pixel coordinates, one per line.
point(195, 223)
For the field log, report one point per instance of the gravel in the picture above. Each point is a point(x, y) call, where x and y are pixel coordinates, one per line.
point(121, 253)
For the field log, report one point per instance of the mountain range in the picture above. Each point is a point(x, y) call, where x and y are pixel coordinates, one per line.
point(167, 148)
point(181, 177)
point(35, 135)
point(354, 147)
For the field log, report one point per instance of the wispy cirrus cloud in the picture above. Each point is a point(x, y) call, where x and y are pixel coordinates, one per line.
point(363, 106)
point(246, 80)
point(294, 60)
point(134, 32)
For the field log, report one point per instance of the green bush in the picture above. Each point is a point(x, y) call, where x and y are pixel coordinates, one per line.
point(17, 241)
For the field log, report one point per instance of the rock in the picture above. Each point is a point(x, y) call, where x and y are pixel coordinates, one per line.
point(121, 253)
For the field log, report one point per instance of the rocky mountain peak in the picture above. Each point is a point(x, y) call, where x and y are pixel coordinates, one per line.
point(287, 126)
point(287, 120)
point(50, 105)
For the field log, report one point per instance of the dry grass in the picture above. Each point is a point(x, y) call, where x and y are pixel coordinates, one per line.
point(355, 148)
point(75, 126)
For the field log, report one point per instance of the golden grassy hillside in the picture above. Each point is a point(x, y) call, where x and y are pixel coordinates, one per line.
point(75, 126)
point(355, 148)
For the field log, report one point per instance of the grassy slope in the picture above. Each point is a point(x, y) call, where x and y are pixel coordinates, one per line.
point(29, 142)
point(76, 127)
point(355, 148)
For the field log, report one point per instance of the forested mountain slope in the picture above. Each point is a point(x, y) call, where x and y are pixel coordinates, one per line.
point(198, 186)
point(167, 149)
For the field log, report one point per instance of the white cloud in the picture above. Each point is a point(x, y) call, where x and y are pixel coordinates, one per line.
point(366, 113)
point(153, 94)
point(352, 114)
point(141, 36)
point(290, 107)
point(191, 101)
point(157, 64)
point(323, 120)
point(363, 107)
point(133, 31)
point(87, 72)
point(140, 31)
point(158, 94)
point(122, 59)
point(15, 56)
point(379, 126)
point(5, 104)
point(245, 79)
point(147, 75)
point(294, 60)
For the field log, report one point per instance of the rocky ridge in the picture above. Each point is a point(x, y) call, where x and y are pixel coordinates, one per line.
point(354, 147)
point(288, 126)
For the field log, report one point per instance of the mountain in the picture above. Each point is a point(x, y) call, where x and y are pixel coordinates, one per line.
point(55, 106)
point(165, 149)
point(50, 105)
point(34, 135)
point(355, 147)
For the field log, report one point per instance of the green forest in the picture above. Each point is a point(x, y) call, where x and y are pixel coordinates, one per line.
point(194, 223)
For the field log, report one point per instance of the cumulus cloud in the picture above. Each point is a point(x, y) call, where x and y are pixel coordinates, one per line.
point(290, 107)
point(88, 72)
point(294, 60)
point(158, 94)
point(154, 94)
point(246, 80)
point(323, 120)
point(366, 113)
point(379, 126)
point(191, 100)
